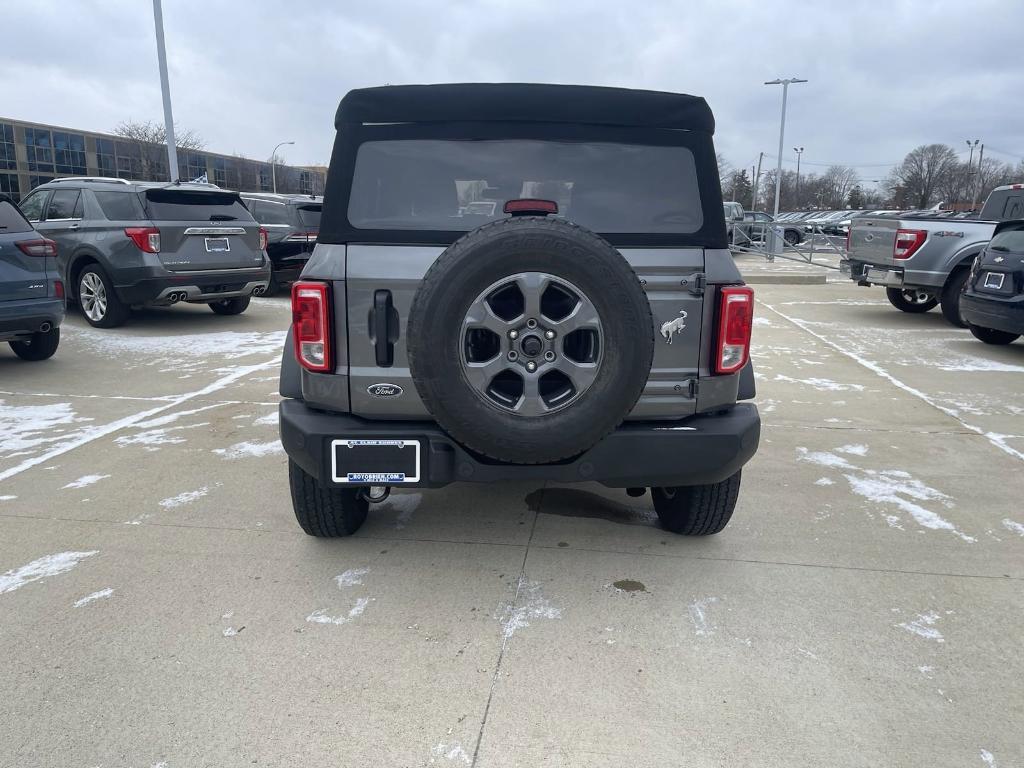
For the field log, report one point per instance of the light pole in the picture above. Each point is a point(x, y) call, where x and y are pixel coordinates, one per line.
point(799, 151)
point(970, 163)
point(165, 90)
point(785, 83)
point(977, 187)
point(273, 158)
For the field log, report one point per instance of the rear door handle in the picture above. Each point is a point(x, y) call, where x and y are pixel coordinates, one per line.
point(384, 328)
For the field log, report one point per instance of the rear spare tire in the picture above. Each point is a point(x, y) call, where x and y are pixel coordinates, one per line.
point(530, 339)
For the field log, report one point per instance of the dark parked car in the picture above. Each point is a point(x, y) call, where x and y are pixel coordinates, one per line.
point(756, 223)
point(993, 299)
point(125, 244)
point(520, 282)
point(31, 293)
point(292, 223)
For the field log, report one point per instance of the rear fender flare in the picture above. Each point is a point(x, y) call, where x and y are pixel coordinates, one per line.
point(76, 263)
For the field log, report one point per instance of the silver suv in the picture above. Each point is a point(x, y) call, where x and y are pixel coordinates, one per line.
point(124, 244)
point(519, 282)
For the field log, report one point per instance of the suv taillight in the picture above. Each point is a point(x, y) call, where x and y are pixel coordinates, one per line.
point(40, 247)
point(263, 239)
point(311, 325)
point(146, 238)
point(907, 242)
point(735, 321)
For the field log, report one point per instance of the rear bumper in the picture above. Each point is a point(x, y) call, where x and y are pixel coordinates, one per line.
point(895, 276)
point(156, 286)
point(998, 314)
point(695, 451)
point(27, 316)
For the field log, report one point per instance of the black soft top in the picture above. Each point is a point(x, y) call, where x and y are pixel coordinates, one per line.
point(524, 102)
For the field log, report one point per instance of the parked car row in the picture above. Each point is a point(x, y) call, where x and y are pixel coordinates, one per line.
point(111, 245)
point(973, 268)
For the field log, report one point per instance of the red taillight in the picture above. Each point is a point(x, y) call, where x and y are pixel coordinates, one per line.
point(527, 205)
point(735, 321)
point(145, 238)
point(263, 239)
point(40, 247)
point(311, 325)
point(907, 242)
point(58, 289)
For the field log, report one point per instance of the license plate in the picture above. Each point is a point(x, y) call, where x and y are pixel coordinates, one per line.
point(375, 462)
point(994, 280)
point(879, 275)
point(217, 245)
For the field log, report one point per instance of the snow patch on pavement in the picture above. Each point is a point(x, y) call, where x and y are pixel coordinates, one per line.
point(452, 752)
point(94, 596)
point(924, 626)
point(890, 487)
point(8, 498)
point(1013, 527)
point(824, 481)
point(85, 480)
point(165, 350)
point(321, 617)
point(989, 759)
point(351, 578)
point(698, 611)
point(24, 427)
point(43, 568)
point(270, 419)
point(529, 603)
point(404, 505)
point(186, 497)
point(853, 450)
point(250, 449)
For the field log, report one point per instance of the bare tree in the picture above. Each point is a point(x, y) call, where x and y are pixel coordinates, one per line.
point(149, 143)
point(836, 184)
point(921, 172)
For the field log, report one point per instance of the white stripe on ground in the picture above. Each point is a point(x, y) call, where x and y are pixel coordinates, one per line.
point(95, 433)
point(997, 440)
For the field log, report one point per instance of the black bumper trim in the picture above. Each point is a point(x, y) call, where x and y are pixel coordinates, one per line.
point(695, 451)
point(152, 289)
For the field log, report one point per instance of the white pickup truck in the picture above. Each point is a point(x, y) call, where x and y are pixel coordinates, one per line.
point(925, 261)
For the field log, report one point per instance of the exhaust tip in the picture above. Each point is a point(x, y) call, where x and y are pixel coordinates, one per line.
point(45, 327)
point(258, 290)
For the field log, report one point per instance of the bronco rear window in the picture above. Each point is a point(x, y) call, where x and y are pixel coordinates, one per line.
point(190, 205)
point(459, 185)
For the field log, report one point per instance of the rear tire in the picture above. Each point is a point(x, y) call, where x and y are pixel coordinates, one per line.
point(992, 336)
point(792, 237)
point(98, 300)
point(951, 294)
point(697, 510)
point(40, 346)
point(323, 511)
point(235, 306)
point(911, 300)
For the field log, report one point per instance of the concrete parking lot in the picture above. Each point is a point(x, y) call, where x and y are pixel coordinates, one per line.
point(159, 606)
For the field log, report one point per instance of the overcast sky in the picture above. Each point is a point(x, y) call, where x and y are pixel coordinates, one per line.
point(884, 76)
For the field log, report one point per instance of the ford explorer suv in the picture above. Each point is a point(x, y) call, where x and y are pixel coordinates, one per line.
point(924, 261)
point(128, 244)
point(519, 282)
point(292, 223)
point(993, 300)
point(31, 293)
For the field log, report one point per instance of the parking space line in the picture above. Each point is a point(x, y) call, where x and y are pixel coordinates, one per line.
point(997, 440)
point(90, 435)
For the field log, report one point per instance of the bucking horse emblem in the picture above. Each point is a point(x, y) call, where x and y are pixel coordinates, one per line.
point(674, 326)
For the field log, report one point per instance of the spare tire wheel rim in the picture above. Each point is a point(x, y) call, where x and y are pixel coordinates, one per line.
point(531, 344)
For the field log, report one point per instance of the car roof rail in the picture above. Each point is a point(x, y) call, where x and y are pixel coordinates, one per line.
point(110, 179)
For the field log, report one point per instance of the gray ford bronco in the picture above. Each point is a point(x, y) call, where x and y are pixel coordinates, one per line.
point(519, 282)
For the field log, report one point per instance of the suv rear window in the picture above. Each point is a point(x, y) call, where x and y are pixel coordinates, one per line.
point(309, 215)
point(120, 206)
point(1011, 240)
point(11, 219)
point(459, 185)
point(192, 205)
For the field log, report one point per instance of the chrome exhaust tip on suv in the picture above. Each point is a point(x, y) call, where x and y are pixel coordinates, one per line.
point(45, 327)
point(259, 290)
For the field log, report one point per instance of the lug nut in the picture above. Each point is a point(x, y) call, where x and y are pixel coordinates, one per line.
point(531, 323)
point(549, 355)
point(549, 334)
point(531, 366)
point(513, 356)
point(513, 334)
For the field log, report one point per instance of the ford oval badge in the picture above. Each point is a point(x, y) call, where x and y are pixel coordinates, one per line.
point(385, 390)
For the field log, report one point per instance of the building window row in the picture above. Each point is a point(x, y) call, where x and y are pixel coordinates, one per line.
point(8, 155)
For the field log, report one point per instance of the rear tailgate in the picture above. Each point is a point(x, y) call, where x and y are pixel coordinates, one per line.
point(22, 276)
point(872, 240)
point(203, 229)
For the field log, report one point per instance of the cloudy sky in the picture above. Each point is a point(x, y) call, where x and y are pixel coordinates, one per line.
point(884, 76)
